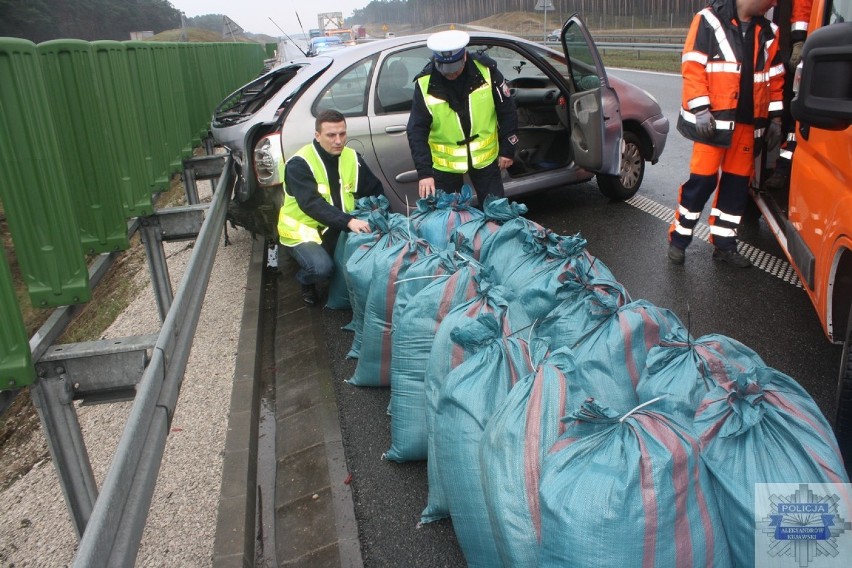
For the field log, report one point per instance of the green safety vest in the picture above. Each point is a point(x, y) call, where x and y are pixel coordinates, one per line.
point(294, 225)
point(447, 154)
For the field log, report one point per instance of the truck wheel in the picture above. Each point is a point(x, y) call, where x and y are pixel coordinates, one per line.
point(626, 184)
point(843, 417)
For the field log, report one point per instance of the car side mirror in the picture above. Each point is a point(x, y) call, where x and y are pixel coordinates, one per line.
point(824, 97)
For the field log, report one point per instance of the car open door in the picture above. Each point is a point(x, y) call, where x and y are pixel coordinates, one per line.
point(594, 109)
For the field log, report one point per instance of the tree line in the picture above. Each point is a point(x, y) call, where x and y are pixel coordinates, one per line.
point(42, 20)
point(606, 13)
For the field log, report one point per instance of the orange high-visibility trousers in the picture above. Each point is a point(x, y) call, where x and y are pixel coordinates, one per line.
point(737, 166)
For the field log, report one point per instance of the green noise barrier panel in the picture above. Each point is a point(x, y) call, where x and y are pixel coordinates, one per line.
point(86, 145)
point(125, 125)
point(34, 185)
point(144, 87)
point(195, 104)
point(169, 89)
point(16, 365)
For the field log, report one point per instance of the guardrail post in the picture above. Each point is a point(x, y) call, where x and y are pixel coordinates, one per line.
point(52, 396)
point(152, 239)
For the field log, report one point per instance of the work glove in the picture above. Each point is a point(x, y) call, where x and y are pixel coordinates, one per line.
point(796, 54)
point(773, 135)
point(704, 123)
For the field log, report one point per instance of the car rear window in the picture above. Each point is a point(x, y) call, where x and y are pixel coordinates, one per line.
point(242, 104)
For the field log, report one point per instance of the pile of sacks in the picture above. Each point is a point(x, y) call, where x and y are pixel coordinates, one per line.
point(561, 419)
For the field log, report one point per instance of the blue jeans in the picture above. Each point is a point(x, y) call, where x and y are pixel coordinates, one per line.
point(315, 264)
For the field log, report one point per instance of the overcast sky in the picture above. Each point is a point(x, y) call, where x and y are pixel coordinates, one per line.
point(253, 15)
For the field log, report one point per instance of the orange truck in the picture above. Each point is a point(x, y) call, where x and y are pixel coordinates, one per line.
point(813, 221)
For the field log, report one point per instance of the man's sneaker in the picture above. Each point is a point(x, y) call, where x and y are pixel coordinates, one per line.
point(778, 181)
point(732, 257)
point(676, 255)
point(309, 294)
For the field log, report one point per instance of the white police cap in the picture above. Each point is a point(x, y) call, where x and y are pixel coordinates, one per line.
point(448, 50)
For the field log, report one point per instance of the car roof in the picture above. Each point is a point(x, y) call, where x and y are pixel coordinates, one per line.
point(356, 52)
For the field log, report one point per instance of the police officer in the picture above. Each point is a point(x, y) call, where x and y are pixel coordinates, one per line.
point(321, 183)
point(463, 120)
point(733, 78)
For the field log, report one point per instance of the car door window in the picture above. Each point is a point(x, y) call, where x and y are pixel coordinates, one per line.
point(395, 85)
point(584, 71)
point(348, 92)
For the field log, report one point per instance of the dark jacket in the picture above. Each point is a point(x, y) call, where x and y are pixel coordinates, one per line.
point(302, 185)
point(455, 93)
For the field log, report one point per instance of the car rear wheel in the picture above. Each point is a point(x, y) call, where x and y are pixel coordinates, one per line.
point(843, 415)
point(626, 183)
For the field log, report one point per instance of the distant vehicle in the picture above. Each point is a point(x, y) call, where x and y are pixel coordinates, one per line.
point(315, 32)
point(554, 35)
point(575, 122)
point(346, 36)
point(323, 44)
point(390, 35)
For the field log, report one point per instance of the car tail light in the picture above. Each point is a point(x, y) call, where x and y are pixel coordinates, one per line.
point(269, 160)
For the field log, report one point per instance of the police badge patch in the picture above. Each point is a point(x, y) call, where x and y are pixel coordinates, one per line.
point(802, 525)
point(513, 139)
point(505, 89)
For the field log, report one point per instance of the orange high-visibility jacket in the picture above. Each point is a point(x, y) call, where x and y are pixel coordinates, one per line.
point(710, 65)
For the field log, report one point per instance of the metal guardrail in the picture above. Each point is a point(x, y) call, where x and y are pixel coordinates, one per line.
point(629, 46)
point(111, 524)
point(114, 530)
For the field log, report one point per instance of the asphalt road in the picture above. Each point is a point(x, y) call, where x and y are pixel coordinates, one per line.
point(758, 306)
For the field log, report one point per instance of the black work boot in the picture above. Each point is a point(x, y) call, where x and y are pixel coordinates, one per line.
point(778, 181)
point(732, 257)
point(309, 294)
point(676, 255)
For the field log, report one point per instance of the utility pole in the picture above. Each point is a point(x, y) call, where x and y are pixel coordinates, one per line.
point(182, 27)
point(544, 5)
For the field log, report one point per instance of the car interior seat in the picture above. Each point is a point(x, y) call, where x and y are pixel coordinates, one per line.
point(395, 89)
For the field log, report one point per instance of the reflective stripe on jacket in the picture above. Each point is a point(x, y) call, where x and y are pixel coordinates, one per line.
point(800, 18)
point(446, 138)
point(294, 225)
point(711, 64)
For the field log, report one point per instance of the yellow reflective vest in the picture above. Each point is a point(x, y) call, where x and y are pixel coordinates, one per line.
point(448, 154)
point(294, 225)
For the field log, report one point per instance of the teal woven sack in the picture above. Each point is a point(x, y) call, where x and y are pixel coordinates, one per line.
point(683, 370)
point(438, 215)
point(446, 355)
point(361, 250)
point(471, 393)
point(338, 293)
point(390, 266)
point(762, 427)
point(623, 491)
point(496, 212)
point(411, 343)
point(514, 444)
